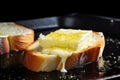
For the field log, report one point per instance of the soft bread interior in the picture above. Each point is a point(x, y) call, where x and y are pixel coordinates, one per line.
point(10, 29)
point(18, 36)
point(64, 43)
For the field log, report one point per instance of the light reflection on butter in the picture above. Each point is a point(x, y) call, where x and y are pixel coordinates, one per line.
point(64, 42)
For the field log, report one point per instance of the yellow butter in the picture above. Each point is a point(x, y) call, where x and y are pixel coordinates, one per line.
point(64, 42)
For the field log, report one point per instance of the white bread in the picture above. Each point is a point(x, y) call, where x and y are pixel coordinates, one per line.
point(36, 60)
point(14, 37)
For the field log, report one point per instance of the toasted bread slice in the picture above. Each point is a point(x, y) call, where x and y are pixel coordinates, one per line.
point(14, 37)
point(64, 49)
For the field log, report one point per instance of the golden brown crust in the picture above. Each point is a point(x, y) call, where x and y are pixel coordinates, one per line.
point(16, 42)
point(90, 54)
point(84, 56)
point(32, 61)
point(35, 61)
point(74, 60)
point(21, 42)
point(71, 62)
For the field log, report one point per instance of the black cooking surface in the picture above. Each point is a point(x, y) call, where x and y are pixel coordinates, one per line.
point(11, 68)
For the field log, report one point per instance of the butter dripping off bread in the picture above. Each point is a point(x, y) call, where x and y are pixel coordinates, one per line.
point(64, 49)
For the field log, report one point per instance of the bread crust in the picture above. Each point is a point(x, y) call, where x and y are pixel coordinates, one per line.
point(4, 45)
point(89, 54)
point(79, 59)
point(16, 42)
point(21, 42)
point(36, 61)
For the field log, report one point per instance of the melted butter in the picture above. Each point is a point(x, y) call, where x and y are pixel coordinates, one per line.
point(63, 43)
point(62, 53)
point(67, 36)
point(64, 38)
point(63, 60)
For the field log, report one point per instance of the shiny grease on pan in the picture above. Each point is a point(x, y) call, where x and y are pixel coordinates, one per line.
point(110, 69)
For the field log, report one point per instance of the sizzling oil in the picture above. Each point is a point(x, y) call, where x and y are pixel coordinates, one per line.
point(89, 71)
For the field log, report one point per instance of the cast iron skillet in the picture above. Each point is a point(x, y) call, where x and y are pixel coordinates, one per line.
point(11, 69)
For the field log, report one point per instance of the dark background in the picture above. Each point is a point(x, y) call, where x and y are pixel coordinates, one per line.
point(23, 12)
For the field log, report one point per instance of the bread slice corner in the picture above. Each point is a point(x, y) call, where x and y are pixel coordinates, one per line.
point(18, 37)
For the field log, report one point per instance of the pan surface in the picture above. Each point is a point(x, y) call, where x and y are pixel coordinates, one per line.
point(11, 69)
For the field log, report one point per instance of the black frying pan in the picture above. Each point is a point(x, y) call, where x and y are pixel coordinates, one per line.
point(109, 26)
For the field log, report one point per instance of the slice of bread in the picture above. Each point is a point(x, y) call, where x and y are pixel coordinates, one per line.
point(14, 37)
point(64, 49)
